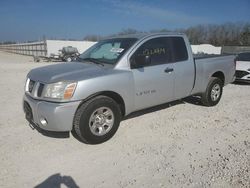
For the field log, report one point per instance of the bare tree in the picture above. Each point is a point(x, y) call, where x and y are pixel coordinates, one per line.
point(220, 35)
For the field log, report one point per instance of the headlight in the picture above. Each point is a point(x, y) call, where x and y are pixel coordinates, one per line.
point(26, 87)
point(60, 90)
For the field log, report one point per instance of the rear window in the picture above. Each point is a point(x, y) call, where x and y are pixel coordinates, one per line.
point(243, 57)
point(179, 49)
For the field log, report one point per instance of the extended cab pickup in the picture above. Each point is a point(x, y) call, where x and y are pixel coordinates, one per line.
point(118, 76)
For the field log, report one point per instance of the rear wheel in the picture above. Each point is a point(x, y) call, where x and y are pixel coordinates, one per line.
point(97, 120)
point(213, 93)
point(74, 58)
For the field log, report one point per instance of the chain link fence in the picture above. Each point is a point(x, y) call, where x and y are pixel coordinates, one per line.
point(31, 49)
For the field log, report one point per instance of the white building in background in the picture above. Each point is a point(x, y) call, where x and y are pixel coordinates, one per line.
point(206, 49)
point(45, 48)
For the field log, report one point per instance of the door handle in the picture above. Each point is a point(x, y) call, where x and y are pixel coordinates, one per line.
point(168, 70)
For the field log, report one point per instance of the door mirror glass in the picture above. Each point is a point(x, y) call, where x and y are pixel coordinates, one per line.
point(140, 61)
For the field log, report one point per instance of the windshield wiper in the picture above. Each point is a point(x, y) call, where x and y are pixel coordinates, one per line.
point(93, 60)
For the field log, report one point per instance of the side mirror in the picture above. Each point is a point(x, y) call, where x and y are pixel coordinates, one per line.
point(140, 61)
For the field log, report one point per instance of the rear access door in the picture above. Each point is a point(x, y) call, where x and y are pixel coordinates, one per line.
point(184, 67)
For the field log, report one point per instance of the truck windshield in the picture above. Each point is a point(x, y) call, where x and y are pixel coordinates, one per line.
point(108, 51)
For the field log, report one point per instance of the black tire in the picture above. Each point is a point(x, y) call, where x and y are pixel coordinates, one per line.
point(68, 59)
point(206, 97)
point(81, 124)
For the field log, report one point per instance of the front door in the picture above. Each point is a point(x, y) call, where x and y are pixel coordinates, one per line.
point(154, 81)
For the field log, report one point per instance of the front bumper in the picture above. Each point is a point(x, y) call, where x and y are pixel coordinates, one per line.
point(59, 116)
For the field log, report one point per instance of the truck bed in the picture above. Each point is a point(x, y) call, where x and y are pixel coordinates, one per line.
point(205, 67)
point(204, 56)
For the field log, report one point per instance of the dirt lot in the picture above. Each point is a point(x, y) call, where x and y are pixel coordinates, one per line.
point(181, 144)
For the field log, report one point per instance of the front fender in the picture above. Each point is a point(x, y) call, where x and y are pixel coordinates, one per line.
point(121, 83)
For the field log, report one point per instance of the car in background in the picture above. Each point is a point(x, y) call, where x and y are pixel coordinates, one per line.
point(243, 67)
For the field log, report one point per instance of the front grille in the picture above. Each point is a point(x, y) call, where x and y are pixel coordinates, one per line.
point(240, 74)
point(31, 85)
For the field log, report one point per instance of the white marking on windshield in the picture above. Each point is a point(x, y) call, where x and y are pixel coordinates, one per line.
point(116, 50)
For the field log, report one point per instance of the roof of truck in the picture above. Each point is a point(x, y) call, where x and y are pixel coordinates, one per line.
point(143, 35)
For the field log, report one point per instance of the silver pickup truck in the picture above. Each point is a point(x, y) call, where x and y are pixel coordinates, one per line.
point(118, 76)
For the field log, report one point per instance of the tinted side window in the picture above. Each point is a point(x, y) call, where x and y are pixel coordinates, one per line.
point(244, 57)
point(179, 49)
point(159, 50)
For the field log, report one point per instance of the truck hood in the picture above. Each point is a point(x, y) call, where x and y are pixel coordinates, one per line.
point(74, 71)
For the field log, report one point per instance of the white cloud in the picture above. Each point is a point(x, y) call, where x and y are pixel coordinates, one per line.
point(153, 12)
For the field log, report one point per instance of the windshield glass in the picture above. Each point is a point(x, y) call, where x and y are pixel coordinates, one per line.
point(108, 51)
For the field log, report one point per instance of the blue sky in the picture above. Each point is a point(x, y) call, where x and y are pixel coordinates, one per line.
point(22, 20)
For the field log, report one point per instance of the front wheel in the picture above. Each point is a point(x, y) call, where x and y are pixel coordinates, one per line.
point(97, 120)
point(213, 93)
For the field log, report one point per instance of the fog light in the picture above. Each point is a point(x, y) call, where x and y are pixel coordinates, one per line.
point(43, 121)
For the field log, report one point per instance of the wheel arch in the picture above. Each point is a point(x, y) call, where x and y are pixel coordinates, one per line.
point(220, 75)
point(113, 95)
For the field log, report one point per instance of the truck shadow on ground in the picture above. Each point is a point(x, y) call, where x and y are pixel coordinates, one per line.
point(56, 181)
point(50, 133)
point(241, 83)
point(195, 100)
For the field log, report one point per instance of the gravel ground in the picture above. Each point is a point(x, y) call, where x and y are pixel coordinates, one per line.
point(180, 144)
